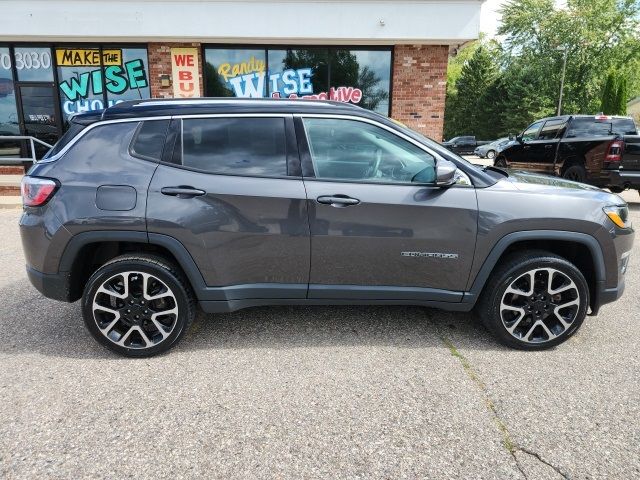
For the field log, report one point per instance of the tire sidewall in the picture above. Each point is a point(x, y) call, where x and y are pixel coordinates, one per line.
point(108, 271)
point(494, 321)
point(580, 171)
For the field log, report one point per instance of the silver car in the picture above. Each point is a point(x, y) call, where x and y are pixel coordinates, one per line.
point(490, 150)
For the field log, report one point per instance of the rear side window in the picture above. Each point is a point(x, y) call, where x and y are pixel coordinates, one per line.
point(235, 146)
point(74, 130)
point(624, 126)
point(552, 129)
point(591, 127)
point(149, 140)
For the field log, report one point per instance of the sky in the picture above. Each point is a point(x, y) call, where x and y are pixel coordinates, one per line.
point(490, 19)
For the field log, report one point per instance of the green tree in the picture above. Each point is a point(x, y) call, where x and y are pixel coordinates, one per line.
point(609, 103)
point(466, 112)
point(599, 35)
point(622, 96)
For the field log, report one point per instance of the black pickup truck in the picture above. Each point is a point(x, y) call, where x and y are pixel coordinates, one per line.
point(598, 149)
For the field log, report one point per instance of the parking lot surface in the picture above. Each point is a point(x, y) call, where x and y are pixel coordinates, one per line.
point(317, 392)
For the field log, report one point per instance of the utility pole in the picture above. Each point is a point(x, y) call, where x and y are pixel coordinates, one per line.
point(564, 69)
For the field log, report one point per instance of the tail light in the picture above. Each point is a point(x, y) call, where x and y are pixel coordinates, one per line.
point(614, 151)
point(37, 191)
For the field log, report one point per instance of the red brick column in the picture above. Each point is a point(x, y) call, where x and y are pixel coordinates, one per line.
point(160, 63)
point(419, 87)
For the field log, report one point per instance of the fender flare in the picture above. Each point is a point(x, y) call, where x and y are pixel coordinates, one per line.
point(173, 245)
point(499, 248)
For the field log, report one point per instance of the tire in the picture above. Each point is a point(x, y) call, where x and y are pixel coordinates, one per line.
point(500, 162)
point(576, 173)
point(532, 320)
point(491, 154)
point(616, 189)
point(131, 321)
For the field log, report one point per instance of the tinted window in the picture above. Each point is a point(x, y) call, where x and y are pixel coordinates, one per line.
point(149, 141)
point(240, 146)
point(352, 150)
point(531, 132)
point(591, 127)
point(74, 129)
point(624, 126)
point(551, 130)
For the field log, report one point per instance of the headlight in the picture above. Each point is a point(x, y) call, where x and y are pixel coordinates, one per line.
point(618, 214)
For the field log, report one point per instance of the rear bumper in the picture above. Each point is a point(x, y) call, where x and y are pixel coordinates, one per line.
point(620, 178)
point(51, 285)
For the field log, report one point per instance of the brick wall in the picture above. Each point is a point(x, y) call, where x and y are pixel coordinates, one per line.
point(160, 63)
point(419, 87)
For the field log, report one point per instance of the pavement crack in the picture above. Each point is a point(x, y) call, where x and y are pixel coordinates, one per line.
point(539, 458)
point(507, 441)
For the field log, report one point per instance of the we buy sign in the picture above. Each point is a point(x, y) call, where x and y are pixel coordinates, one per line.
point(184, 70)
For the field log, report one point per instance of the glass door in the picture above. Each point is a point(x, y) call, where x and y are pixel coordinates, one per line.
point(40, 115)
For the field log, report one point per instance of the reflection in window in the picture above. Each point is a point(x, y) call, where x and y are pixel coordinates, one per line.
point(353, 150)
point(235, 73)
point(369, 71)
point(358, 76)
point(8, 109)
point(300, 72)
point(236, 146)
point(86, 75)
point(33, 64)
point(128, 79)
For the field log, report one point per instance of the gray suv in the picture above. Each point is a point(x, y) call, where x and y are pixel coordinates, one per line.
point(150, 209)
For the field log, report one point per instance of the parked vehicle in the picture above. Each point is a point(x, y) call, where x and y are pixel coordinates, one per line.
point(149, 209)
point(601, 150)
point(490, 150)
point(464, 145)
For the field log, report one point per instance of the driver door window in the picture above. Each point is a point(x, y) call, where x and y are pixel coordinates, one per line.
point(531, 133)
point(358, 151)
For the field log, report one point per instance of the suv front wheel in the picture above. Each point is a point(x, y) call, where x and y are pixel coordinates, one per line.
point(138, 305)
point(534, 301)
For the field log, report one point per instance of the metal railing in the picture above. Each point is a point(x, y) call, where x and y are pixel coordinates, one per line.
point(31, 140)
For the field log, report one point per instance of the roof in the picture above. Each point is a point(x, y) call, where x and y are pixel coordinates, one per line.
point(203, 106)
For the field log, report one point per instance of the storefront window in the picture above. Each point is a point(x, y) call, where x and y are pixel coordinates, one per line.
point(128, 81)
point(300, 72)
point(366, 70)
point(358, 76)
point(8, 110)
point(85, 75)
point(235, 73)
point(33, 64)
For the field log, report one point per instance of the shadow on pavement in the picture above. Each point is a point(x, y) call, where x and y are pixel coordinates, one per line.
point(31, 323)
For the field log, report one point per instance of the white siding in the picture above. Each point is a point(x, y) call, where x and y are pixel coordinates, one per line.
point(258, 21)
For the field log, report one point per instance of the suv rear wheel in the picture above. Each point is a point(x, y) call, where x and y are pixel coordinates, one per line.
point(534, 301)
point(138, 305)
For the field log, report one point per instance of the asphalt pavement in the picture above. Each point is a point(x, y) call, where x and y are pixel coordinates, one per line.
point(316, 392)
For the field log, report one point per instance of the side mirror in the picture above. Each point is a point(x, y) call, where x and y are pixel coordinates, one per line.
point(511, 136)
point(519, 138)
point(445, 173)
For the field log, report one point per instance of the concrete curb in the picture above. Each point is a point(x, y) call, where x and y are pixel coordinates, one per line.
point(10, 202)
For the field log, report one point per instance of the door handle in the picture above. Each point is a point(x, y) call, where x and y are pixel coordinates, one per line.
point(182, 191)
point(526, 147)
point(548, 146)
point(337, 200)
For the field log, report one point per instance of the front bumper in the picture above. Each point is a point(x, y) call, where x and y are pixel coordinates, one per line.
point(52, 285)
